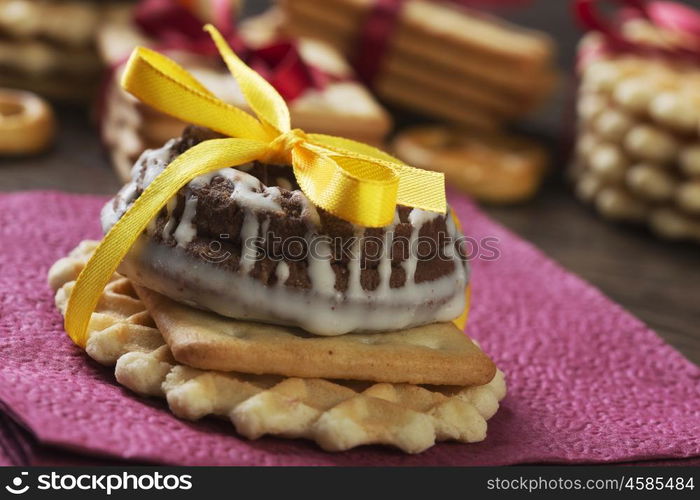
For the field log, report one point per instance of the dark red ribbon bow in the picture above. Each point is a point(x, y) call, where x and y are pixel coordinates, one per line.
point(175, 27)
point(671, 16)
point(380, 23)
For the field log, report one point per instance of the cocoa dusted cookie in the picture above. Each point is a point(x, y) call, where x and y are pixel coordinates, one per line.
point(246, 243)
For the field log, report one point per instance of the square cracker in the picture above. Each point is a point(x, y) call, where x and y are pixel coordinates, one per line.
point(437, 354)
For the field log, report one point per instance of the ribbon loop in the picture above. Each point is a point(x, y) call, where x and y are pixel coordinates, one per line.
point(362, 190)
point(418, 188)
point(166, 86)
point(348, 146)
point(262, 97)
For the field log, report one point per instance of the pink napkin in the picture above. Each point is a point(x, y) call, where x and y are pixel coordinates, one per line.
point(19, 448)
point(587, 381)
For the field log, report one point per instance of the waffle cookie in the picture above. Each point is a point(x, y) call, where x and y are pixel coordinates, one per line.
point(338, 415)
point(637, 157)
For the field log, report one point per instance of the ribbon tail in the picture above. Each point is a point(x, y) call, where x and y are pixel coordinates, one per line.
point(205, 157)
point(461, 321)
point(424, 189)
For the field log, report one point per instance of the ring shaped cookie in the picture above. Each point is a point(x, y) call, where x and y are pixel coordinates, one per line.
point(26, 123)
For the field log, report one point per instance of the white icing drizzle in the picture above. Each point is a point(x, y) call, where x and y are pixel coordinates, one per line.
point(204, 179)
point(308, 209)
point(449, 249)
point(155, 160)
point(170, 223)
point(151, 227)
point(265, 227)
point(249, 233)
point(248, 191)
point(282, 272)
point(151, 162)
point(384, 267)
point(274, 193)
point(319, 266)
point(418, 217)
point(112, 212)
point(186, 230)
point(246, 195)
point(409, 265)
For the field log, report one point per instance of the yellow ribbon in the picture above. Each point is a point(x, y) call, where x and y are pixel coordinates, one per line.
point(351, 180)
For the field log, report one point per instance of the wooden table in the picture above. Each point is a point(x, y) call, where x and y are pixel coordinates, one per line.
point(657, 281)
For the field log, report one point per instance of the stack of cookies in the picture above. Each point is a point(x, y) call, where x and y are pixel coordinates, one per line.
point(244, 300)
point(638, 145)
point(341, 107)
point(49, 46)
point(441, 60)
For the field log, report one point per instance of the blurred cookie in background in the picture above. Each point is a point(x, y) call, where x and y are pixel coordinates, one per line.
point(637, 156)
point(436, 58)
point(49, 46)
point(27, 123)
point(496, 168)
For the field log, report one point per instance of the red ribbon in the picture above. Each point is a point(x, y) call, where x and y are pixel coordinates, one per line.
point(175, 27)
point(379, 26)
point(671, 16)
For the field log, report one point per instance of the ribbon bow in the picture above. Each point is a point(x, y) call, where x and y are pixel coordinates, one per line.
point(351, 180)
point(379, 26)
point(671, 16)
point(174, 25)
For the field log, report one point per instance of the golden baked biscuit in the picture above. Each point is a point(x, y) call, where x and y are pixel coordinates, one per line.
point(438, 353)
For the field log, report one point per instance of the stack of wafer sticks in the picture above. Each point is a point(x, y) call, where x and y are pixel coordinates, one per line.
point(440, 59)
